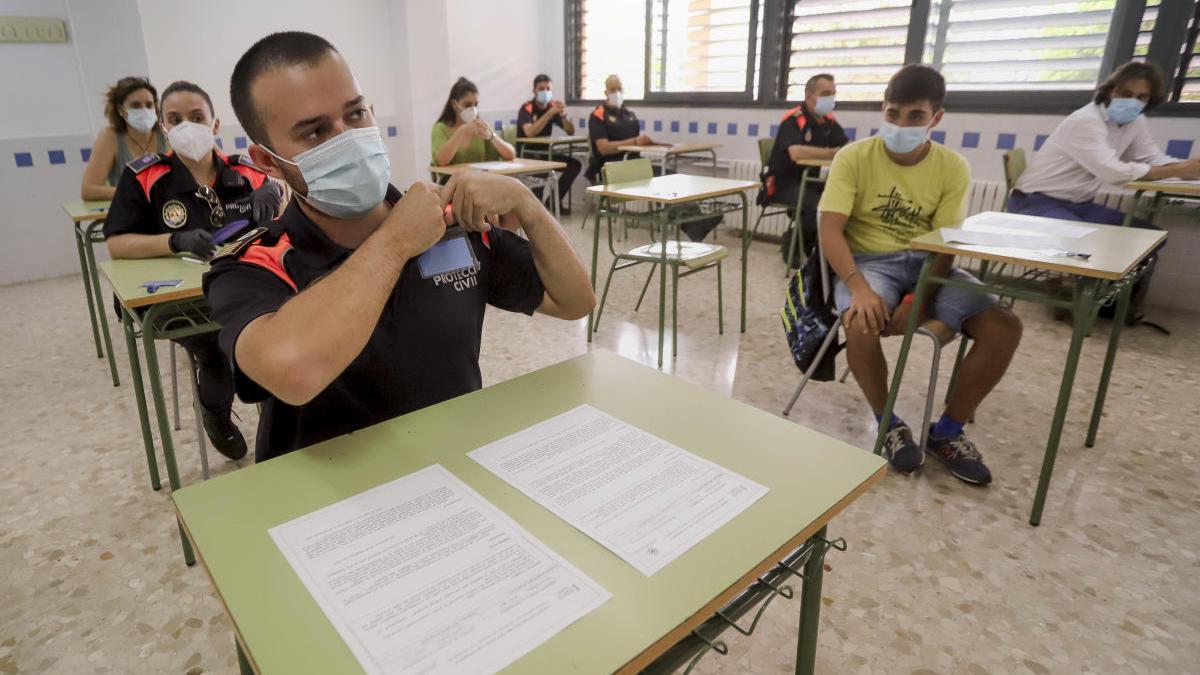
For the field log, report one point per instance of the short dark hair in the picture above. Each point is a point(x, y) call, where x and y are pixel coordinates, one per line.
point(277, 50)
point(114, 99)
point(1134, 70)
point(915, 83)
point(183, 85)
point(811, 84)
point(462, 87)
point(542, 77)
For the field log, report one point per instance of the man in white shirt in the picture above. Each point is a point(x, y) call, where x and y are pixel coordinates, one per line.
point(1106, 143)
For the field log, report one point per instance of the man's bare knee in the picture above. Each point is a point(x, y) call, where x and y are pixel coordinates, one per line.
point(996, 328)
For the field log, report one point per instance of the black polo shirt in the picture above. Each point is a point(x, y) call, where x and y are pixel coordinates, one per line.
point(801, 127)
point(425, 347)
point(157, 194)
point(611, 125)
point(530, 112)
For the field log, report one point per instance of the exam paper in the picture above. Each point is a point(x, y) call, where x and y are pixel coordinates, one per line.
point(984, 238)
point(495, 166)
point(423, 575)
point(1021, 224)
point(640, 497)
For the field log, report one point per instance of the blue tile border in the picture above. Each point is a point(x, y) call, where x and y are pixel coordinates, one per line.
point(57, 156)
point(774, 130)
point(658, 125)
point(938, 136)
point(219, 143)
point(674, 126)
point(641, 125)
point(1180, 148)
point(970, 139)
point(693, 127)
point(1040, 140)
point(23, 159)
point(752, 129)
point(498, 125)
point(1006, 141)
point(391, 131)
point(712, 128)
point(851, 132)
point(85, 154)
point(239, 142)
point(731, 128)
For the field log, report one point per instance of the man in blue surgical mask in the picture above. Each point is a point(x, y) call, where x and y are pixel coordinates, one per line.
point(538, 117)
point(882, 192)
point(359, 304)
point(1102, 146)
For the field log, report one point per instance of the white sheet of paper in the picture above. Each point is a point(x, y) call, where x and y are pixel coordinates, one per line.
point(1004, 240)
point(642, 498)
point(495, 166)
point(1021, 224)
point(423, 575)
point(1180, 181)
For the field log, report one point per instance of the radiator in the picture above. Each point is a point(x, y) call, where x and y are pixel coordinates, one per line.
point(982, 196)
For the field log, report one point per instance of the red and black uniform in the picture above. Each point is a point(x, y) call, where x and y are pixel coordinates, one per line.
point(425, 346)
point(157, 194)
point(609, 124)
point(528, 114)
point(781, 184)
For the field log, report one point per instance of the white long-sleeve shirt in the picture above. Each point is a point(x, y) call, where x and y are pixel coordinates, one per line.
point(1088, 152)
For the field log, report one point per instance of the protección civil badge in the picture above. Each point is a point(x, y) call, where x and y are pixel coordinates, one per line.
point(174, 214)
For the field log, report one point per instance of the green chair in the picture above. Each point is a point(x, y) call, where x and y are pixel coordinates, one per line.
point(1014, 166)
point(765, 146)
point(509, 133)
point(692, 257)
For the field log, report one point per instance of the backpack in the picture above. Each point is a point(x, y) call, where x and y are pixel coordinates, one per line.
point(807, 320)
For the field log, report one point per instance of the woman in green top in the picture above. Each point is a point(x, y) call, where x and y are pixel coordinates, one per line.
point(460, 136)
point(131, 106)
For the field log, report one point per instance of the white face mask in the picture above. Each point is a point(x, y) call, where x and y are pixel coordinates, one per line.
point(347, 175)
point(142, 119)
point(468, 115)
point(192, 140)
point(615, 99)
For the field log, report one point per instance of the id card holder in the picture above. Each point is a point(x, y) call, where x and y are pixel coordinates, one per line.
point(452, 254)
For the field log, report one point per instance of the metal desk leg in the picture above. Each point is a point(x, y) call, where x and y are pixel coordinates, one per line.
point(902, 358)
point(663, 220)
point(745, 250)
point(94, 274)
point(601, 204)
point(1114, 338)
point(810, 607)
point(714, 161)
point(556, 196)
point(1134, 207)
point(1083, 311)
point(244, 667)
point(139, 395)
point(80, 243)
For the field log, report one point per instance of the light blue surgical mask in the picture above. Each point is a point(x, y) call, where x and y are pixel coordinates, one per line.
point(347, 175)
point(544, 96)
point(824, 106)
point(142, 119)
point(902, 140)
point(1124, 110)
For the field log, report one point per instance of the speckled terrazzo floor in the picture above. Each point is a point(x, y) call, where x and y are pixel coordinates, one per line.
point(939, 578)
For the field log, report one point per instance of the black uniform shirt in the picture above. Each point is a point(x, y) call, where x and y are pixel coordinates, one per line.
point(425, 347)
point(529, 113)
point(611, 125)
point(157, 194)
point(801, 127)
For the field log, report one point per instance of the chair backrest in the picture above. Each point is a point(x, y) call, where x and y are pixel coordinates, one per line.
point(627, 171)
point(509, 133)
point(765, 146)
point(1014, 166)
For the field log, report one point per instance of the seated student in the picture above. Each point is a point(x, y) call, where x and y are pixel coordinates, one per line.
point(173, 203)
point(538, 117)
point(131, 106)
point(460, 136)
point(1106, 143)
point(610, 126)
point(333, 318)
point(882, 191)
point(808, 131)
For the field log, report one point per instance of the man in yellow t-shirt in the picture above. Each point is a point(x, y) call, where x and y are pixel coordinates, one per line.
point(881, 193)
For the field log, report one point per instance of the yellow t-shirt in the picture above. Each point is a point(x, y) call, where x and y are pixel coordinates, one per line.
point(889, 204)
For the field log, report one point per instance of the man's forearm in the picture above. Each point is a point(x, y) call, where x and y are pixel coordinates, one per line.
point(608, 147)
point(798, 152)
point(139, 245)
point(562, 273)
point(297, 351)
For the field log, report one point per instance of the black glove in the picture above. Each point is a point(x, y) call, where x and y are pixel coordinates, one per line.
point(197, 242)
point(264, 202)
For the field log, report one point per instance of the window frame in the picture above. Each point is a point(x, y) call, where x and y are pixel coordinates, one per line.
point(776, 16)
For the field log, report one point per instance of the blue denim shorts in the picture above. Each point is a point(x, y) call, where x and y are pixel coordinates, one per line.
point(894, 275)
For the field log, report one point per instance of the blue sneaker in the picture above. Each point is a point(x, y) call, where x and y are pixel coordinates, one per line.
point(962, 458)
point(901, 450)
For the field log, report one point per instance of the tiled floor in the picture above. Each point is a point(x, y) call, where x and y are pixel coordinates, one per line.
point(939, 578)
